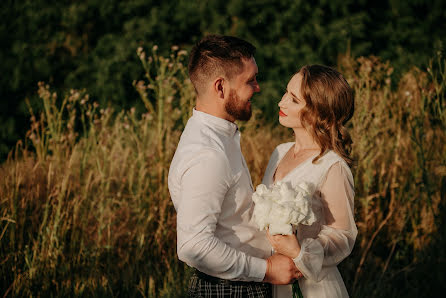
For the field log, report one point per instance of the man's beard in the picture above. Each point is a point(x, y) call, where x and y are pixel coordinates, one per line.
point(236, 108)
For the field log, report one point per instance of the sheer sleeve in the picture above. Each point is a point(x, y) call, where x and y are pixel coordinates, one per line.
point(337, 236)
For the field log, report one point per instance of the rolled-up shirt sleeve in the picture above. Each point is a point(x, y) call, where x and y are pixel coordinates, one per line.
point(205, 180)
point(337, 236)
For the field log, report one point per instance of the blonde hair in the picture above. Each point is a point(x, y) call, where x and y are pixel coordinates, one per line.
point(329, 106)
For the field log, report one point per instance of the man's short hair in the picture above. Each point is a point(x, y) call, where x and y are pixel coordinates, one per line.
point(217, 55)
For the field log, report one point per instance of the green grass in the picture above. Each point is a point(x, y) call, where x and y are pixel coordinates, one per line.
point(85, 209)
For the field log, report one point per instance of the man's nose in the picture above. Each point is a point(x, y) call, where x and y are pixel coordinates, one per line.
point(257, 87)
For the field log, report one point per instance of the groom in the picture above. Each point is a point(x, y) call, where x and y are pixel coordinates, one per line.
point(210, 184)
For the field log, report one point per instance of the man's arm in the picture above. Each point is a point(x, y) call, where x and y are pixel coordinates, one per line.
point(204, 185)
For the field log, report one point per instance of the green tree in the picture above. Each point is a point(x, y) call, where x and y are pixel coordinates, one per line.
point(91, 43)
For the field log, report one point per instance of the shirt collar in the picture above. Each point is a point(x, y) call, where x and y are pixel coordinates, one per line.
point(227, 127)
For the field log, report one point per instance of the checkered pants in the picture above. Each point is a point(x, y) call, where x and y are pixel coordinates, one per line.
point(201, 288)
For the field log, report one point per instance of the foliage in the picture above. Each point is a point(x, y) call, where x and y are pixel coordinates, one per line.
point(399, 139)
point(90, 43)
point(89, 213)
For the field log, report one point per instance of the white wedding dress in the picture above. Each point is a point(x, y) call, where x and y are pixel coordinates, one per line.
point(331, 238)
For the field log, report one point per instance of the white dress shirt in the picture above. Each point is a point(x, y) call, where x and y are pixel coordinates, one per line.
point(211, 190)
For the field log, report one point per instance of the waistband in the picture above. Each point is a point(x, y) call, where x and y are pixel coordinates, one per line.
point(216, 280)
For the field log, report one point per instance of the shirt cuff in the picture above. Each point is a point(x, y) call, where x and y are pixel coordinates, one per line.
point(257, 269)
point(298, 259)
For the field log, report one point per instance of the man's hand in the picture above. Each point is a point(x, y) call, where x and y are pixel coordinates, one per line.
point(280, 270)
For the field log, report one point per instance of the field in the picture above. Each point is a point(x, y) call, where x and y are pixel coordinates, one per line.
point(85, 209)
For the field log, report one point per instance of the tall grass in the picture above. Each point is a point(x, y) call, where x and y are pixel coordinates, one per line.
point(85, 209)
point(399, 143)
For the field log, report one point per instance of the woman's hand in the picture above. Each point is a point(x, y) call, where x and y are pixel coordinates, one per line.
point(285, 244)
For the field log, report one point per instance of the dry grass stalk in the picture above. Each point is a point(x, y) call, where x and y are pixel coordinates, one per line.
point(84, 205)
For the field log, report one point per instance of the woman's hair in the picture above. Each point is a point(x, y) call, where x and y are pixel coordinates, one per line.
point(329, 105)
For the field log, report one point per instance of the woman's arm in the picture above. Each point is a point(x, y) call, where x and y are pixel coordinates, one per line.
point(336, 239)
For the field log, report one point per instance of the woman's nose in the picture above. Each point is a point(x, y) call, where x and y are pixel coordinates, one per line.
point(282, 102)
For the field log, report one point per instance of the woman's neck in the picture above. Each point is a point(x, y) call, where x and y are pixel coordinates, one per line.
point(304, 141)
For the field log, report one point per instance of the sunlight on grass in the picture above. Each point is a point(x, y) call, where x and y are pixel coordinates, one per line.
point(85, 208)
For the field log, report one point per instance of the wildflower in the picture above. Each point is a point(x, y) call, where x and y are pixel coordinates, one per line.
point(139, 51)
point(176, 113)
point(182, 53)
point(155, 48)
point(140, 86)
point(174, 48)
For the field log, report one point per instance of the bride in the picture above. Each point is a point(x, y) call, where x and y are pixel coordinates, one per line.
point(317, 104)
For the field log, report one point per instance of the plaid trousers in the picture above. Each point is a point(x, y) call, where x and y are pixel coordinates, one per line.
point(200, 287)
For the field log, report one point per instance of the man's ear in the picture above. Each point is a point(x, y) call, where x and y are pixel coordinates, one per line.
point(219, 87)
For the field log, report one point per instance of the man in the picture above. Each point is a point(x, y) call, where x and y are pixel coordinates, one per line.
point(210, 184)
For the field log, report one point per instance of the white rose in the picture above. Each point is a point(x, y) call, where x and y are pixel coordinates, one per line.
point(280, 206)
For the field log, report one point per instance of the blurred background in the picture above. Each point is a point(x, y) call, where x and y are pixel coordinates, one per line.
point(92, 44)
point(95, 94)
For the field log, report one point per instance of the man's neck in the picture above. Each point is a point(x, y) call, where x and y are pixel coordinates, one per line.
point(213, 110)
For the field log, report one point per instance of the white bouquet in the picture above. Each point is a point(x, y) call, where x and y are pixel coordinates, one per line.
point(279, 207)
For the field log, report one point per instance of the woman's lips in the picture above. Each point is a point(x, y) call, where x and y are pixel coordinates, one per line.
point(282, 113)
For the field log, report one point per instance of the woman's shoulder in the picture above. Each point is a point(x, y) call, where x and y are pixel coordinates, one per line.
point(283, 148)
point(274, 159)
point(331, 157)
point(280, 151)
point(333, 162)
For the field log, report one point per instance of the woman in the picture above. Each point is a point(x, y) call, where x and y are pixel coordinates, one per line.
point(317, 104)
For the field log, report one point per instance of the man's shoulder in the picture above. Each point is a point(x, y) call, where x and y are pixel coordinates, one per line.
point(197, 137)
point(192, 153)
point(198, 144)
